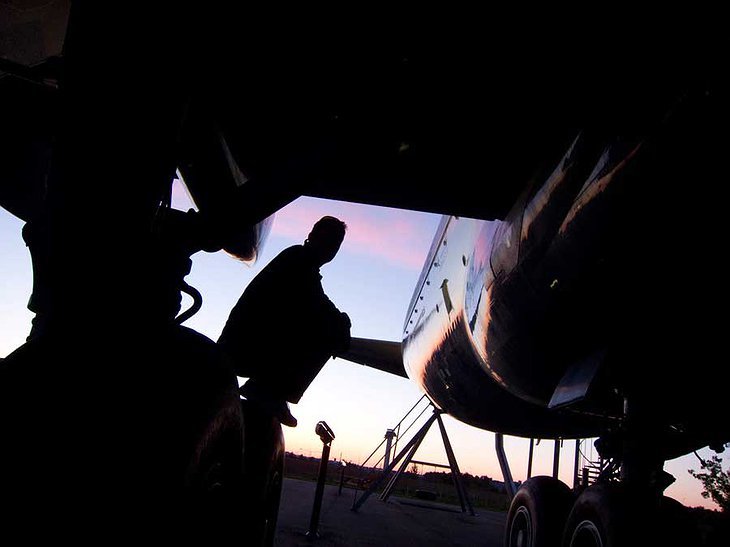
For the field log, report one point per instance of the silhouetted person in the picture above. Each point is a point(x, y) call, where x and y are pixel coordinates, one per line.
point(284, 328)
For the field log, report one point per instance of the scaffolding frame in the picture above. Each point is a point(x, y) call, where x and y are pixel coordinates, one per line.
point(405, 457)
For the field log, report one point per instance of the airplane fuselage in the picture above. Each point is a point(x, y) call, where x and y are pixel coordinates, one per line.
point(542, 324)
point(446, 349)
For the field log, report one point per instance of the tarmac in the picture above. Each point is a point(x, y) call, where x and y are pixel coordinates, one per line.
point(396, 522)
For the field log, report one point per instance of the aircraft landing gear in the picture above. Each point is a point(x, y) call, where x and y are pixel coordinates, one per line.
point(603, 516)
point(625, 507)
point(612, 515)
point(545, 512)
point(537, 513)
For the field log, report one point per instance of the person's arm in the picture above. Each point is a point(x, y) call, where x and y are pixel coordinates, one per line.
point(337, 325)
point(342, 334)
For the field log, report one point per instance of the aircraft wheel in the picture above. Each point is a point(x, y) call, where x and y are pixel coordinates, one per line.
point(605, 515)
point(537, 513)
point(217, 476)
point(214, 479)
point(610, 515)
point(272, 500)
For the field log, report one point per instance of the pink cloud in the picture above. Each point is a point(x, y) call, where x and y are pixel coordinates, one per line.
point(397, 236)
point(394, 235)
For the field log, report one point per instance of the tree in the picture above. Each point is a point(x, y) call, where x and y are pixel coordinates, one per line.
point(715, 481)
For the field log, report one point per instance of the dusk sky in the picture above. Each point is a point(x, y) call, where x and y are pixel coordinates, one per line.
point(372, 279)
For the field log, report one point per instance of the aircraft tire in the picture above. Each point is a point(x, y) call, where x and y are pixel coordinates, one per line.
point(272, 501)
point(611, 515)
point(537, 513)
point(214, 479)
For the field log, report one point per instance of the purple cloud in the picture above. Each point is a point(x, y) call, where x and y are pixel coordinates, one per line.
point(397, 236)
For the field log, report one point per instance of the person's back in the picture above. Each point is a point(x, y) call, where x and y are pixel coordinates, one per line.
point(284, 328)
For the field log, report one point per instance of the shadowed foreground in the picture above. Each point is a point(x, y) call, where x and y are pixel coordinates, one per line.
point(396, 522)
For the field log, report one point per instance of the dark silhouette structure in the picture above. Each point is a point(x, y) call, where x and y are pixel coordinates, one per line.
point(113, 416)
point(288, 291)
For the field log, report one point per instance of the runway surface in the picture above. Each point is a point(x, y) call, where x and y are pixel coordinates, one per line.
point(397, 522)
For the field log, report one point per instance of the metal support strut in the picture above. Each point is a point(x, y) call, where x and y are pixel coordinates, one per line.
point(509, 484)
point(406, 455)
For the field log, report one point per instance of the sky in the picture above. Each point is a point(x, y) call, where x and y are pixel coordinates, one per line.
point(371, 279)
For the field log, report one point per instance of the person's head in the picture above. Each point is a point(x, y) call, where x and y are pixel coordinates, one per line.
point(325, 239)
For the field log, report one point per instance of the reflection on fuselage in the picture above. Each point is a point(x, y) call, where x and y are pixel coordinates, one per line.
point(487, 330)
point(445, 345)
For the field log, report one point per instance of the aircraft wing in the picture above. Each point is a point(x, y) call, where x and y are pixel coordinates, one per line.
point(371, 111)
point(380, 354)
